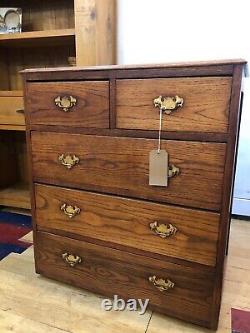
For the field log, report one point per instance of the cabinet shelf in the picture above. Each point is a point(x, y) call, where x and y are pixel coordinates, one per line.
point(56, 33)
point(15, 196)
point(41, 38)
point(11, 93)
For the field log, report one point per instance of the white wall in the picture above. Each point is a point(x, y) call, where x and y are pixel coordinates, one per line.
point(156, 31)
point(152, 31)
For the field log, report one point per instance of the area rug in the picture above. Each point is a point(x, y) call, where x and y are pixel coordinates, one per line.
point(12, 228)
point(240, 321)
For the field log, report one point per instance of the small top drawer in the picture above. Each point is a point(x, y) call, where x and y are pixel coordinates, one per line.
point(202, 104)
point(84, 103)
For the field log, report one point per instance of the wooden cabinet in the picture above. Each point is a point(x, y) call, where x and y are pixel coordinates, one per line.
point(54, 33)
point(99, 223)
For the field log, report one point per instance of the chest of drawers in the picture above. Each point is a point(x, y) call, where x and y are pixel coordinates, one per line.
point(98, 224)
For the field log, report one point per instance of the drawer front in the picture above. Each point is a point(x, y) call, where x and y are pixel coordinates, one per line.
point(167, 230)
point(11, 110)
point(84, 104)
point(121, 166)
point(112, 272)
point(205, 104)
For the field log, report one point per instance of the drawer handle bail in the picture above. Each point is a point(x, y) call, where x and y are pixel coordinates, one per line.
point(163, 230)
point(68, 161)
point(161, 284)
point(65, 103)
point(168, 104)
point(173, 171)
point(70, 211)
point(71, 259)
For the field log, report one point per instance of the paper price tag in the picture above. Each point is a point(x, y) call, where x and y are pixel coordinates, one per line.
point(158, 168)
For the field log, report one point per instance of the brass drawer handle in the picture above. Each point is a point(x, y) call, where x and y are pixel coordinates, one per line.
point(65, 103)
point(71, 259)
point(163, 230)
point(68, 160)
point(161, 284)
point(168, 104)
point(173, 171)
point(70, 211)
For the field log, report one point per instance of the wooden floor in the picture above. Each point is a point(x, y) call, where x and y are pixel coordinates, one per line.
point(32, 304)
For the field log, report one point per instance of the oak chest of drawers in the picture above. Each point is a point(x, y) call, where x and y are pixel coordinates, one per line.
point(98, 224)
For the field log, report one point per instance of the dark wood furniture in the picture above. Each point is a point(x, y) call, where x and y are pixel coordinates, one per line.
point(98, 224)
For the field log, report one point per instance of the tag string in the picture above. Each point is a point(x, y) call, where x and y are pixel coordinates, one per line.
point(159, 138)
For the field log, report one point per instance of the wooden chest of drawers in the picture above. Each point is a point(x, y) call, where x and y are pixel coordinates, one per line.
point(98, 224)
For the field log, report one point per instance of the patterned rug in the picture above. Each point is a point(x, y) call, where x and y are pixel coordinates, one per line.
point(12, 228)
point(240, 321)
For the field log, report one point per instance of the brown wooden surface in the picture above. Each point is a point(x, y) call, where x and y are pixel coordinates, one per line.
point(11, 110)
point(40, 25)
point(127, 222)
point(20, 58)
point(14, 191)
point(91, 109)
point(95, 32)
point(46, 15)
point(46, 26)
point(12, 127)
point(208, 162)
point(108, 272)
point(38, 38)
point(17, 196)
point(120, 166)
point(106, 72)
point(205, 108)
point(228, 181)
point(19, 141)
point(23, 293)
point(207, 64)
point(185, 136)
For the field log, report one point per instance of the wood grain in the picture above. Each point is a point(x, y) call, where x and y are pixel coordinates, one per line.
point(19, 284)
point(91, 109)
point(113, 164)
point(185, 136)
point(228, 183)
point(95, 32)
point(21, 58)
point(17, 195)
point(11, 110)
point(38, 38)
point(126, 222)
point(121, 166)
point(14, 190)
point(205, 109)
point(109, 272)
point(195, 65)
point(46, 15)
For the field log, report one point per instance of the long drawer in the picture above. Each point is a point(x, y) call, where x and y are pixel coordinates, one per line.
point(173, 231)
point(202, 104)
point(121, 166)
point(79, 103)
point(187, 291)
